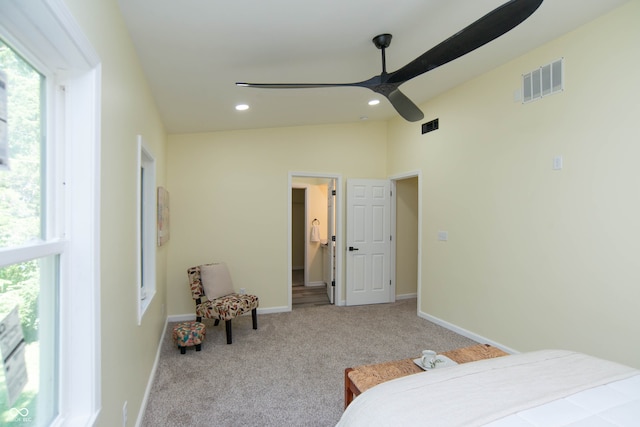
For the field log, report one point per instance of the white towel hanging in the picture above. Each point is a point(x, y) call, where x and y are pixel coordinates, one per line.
point(315, 231)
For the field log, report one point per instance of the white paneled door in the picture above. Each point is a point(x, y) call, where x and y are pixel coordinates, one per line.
point(368, 242)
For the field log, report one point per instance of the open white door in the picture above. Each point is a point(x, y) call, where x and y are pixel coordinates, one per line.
point(368, 242)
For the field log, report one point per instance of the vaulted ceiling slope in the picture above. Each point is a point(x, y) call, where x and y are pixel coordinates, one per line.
point(194, 51)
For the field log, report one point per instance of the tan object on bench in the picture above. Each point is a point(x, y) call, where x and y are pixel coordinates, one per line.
point(361, 378)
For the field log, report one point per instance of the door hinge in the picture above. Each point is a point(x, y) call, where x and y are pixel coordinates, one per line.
point(333, 192)
point(333, 283)
point(389, 282)
point(391, 238)
point(333, 238)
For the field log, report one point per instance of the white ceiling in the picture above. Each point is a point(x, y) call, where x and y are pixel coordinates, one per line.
point(193, 52)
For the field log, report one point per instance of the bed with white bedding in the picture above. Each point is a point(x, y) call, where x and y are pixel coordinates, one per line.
point(543, 388)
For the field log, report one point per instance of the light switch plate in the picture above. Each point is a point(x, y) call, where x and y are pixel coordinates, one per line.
point(557, 163)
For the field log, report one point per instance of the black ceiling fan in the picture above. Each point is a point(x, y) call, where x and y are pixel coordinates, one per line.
point(489, 27)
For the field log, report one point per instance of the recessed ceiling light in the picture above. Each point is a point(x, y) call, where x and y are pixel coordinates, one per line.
point(374, 102)
point(242, 107)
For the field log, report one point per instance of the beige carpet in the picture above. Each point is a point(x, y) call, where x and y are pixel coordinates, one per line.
point(290, 371)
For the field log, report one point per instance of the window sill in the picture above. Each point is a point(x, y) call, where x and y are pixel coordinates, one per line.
point(144, 304)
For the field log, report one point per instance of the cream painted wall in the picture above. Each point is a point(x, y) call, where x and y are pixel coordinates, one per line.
point(229, 198)
point(537, 258)
point(317, 210)
point(128, 109)
point(297, 227)
point(407, 236)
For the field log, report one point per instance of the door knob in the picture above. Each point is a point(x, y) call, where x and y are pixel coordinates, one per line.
point(351, 249)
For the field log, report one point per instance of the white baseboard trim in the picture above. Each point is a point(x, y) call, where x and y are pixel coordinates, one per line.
point(316, 284)
point(152, 376)
point(191, 316)
point(181, 317)
point(271, 310)
point(466, 333)
point(406, 296)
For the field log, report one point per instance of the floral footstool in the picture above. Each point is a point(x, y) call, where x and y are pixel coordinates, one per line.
point(187, 334)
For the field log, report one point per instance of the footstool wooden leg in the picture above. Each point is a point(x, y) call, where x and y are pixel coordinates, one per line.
point(348, 394)
point(350, 389)
point(198, 347)
point(183, 350)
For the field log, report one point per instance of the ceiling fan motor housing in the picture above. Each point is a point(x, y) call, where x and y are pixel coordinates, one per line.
point(382, 41)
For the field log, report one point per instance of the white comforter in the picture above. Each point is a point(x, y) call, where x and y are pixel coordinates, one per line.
point(519, 390)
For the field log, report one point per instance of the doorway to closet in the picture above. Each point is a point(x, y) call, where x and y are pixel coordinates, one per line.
point(313, 259)
point(407, 231)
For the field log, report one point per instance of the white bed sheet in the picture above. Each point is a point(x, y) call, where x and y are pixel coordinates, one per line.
point(612, 405)
point(546, 388)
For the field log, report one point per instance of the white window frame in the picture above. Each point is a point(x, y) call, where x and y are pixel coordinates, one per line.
point(146, 228)
point(45, 32)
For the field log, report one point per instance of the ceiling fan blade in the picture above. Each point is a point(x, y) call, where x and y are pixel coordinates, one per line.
point(404, 106)
point(371, 83)
point(292, 85)
point(488, 28)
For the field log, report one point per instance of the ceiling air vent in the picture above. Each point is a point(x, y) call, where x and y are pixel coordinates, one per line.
point(429, 126)
point(546, 80)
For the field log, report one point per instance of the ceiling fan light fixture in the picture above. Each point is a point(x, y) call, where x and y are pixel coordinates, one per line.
point(374, 102)
point(242, 107)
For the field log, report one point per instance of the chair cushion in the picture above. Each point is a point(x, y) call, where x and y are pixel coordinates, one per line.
point(216, 280)
point(227, 307)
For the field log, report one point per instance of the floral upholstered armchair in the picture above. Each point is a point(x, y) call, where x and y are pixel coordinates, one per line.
point(215, 298)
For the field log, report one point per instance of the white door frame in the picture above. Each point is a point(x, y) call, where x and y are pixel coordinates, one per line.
point(339, 231)
point(331, 247)
point(394, 179)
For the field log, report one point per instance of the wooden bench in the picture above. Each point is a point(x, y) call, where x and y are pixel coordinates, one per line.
point(361, 378)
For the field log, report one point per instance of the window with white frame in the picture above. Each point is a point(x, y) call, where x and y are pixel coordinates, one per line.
point(29, 285)
point(147, 214)
point(49, 218)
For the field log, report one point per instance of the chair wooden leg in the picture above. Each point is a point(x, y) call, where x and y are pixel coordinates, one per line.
point(227, 324)
point(254, 317)
point(216, 323)
point(198, 319)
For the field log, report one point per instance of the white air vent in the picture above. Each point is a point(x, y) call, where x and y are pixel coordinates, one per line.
point(546, 80)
